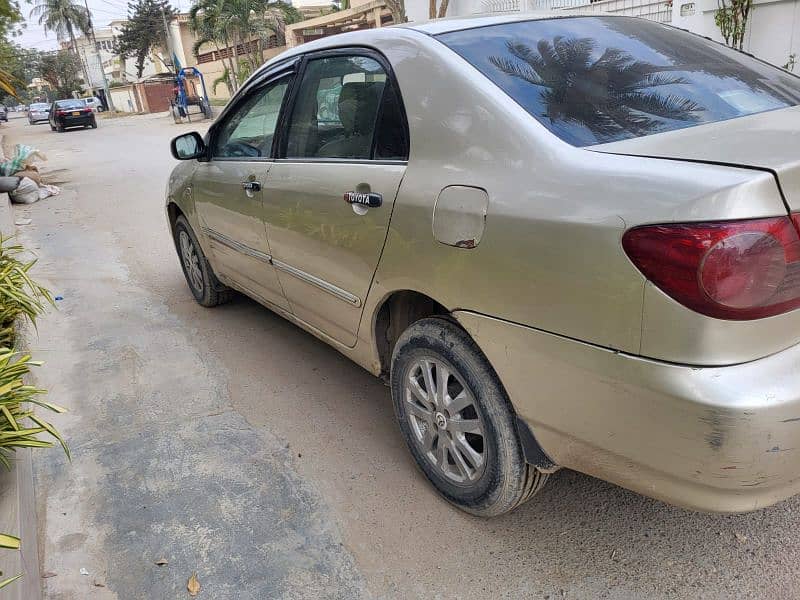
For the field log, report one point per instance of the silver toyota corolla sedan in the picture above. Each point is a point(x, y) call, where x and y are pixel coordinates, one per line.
point(565, 242)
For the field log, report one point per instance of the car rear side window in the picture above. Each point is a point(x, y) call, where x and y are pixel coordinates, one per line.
point(391, 133)
point(592, 80)
point(341, 103)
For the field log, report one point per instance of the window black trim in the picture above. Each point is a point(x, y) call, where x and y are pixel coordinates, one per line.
point(287, 109)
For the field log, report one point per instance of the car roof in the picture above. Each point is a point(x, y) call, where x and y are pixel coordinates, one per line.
point(428, 28)
point(421, 28)
point(449, 24)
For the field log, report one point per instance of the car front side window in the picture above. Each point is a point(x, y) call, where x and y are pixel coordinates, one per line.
point(338, 105)
point(248, 131)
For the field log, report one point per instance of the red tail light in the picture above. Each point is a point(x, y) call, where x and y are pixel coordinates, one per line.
point(60, 113)
point(88, 111)
point(737, 270)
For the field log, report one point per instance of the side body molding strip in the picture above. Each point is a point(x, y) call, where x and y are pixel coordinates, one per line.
point(234, 245)
point(282, 266)
point(320, 283)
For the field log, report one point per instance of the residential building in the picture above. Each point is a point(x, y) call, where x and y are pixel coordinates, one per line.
point(362, 14)
point(114, 68)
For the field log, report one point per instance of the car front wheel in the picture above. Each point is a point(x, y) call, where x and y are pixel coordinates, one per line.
point(205, 287)
point(457, 420)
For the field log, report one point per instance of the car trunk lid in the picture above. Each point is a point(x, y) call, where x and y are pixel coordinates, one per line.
point(767, 141)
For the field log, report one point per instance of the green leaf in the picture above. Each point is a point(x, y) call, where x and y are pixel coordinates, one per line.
point(9, 417)
point(54, 433)
point(9, 541)
point(49, 405)
point(5, 582)
point(33, 444)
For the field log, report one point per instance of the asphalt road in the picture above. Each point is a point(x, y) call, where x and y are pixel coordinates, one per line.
point(233, 444)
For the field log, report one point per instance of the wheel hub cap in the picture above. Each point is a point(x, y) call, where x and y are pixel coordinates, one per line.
point(445, 421)
point(441, 421)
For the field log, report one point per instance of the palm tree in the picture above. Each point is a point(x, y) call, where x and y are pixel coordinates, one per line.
point(207, 22)
point(249, 23)
point(63, 17)
point(609, 95)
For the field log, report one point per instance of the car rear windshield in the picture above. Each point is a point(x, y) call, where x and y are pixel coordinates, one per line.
point(592, 80)
point(69, 104)
point(39, 106)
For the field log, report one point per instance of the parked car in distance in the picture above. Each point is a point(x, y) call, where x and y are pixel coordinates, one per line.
point(94, 103)
point(37, 112)
point(3, 112)
point(580, 248)
point(71, 113)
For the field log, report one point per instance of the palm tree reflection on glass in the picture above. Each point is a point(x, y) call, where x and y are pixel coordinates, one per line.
point(609, 94)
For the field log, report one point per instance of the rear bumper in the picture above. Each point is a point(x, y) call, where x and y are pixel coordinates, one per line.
point(721, 439)
point(76, 121)
point(38, 119)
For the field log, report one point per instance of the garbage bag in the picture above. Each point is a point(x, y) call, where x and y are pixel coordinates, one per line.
point(8, 184)
point(27, 192)
point(48, 190)
point(23, 157)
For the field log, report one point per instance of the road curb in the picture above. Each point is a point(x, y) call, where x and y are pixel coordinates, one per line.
point(18, 517)
point(17, 501)
point(6, 212)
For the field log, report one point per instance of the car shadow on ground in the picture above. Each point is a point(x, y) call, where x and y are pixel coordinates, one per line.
point(580, 528)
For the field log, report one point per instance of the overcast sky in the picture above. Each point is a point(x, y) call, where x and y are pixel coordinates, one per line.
point(103, 11)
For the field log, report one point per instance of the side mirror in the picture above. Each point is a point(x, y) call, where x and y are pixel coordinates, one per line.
point(188, 146)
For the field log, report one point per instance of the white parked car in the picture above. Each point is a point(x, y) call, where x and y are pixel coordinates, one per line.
point(38, 112)
point(94, 103)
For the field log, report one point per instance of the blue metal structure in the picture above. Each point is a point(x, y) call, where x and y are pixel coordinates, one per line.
point(183, 101)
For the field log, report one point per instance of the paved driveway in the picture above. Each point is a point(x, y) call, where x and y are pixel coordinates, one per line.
point(233, 444)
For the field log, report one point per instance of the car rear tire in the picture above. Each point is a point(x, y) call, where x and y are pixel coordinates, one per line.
point(202, 282)
point(93, 124)
point(463, 435)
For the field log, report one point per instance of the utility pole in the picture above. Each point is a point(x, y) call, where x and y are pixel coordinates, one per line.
point(168, 39)
point(99, 60)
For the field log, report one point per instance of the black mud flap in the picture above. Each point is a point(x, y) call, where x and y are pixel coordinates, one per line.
point(534, 454)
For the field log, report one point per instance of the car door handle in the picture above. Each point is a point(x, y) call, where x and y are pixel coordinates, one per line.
point(368, 199)
point(251, 186)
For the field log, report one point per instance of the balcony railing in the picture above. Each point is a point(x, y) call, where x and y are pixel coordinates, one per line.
point(654, 10)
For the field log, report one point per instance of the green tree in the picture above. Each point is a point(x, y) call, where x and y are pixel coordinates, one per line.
point(249, 24)
point(62, 17)
point(61, 69)
point(206, 21)
point(10, 17)
point(144, 31)
point(731, 18)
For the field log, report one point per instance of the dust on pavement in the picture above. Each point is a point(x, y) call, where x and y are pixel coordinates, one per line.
point(233, 444)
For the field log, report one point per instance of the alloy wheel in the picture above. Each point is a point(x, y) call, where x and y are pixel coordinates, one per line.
point(445, 421)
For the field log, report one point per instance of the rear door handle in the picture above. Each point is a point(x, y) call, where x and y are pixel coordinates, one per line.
point(251, 186)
